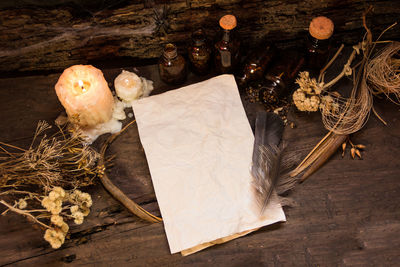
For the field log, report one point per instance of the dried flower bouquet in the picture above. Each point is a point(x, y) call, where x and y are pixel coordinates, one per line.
point(41, 182)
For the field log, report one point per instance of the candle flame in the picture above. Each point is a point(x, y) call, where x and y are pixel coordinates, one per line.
point(81, 85)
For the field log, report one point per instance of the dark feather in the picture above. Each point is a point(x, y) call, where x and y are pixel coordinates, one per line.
point(271, 164)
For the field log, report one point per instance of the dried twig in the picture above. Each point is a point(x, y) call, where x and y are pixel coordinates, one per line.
point(115, 191)
point(24, 213)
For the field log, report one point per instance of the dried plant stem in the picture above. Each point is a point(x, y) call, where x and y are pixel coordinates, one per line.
point(310, 157)
point(17, 192)
point(323, 70)
point(15, 147)
point(334, 143)
point(377, 115)
point(346, 69)
point(24, 213)
point(115, 191)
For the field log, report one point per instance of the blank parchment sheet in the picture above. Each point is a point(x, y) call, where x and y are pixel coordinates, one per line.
point(198, 143)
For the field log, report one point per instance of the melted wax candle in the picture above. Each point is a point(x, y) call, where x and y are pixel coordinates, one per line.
point(85, 95)
point(128, 86)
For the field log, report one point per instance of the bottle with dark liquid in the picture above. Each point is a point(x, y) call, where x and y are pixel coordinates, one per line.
point(172, 66)
point(256, 64)
point(318, 42)
point(278, 81)
point(199, 53)
point(227, 49)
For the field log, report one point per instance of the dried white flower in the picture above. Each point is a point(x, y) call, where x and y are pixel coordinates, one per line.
point(55, 237)
point(307, 96)
point(57, 193)
point(78, 217)
point(64, 228)
point(74, 208)
point(57, 220)
point(22, 204)
point(54, 207)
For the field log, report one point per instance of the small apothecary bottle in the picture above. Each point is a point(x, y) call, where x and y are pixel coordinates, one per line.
point(281, 76)
point(256, 63)
point(199, 52)
point(172, 66)
point(318, 42)
point(227, 49)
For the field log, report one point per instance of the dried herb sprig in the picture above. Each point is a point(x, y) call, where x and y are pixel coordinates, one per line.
point(42, 180)
point(58, 160)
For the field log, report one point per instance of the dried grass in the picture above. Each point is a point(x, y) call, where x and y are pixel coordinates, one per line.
point(383, 73)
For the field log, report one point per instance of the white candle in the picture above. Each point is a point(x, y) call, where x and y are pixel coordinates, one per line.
point(85, 95)
point(128, 86)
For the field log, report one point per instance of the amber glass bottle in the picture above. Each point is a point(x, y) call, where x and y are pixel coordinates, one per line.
point(199, 53)
point(227, 48)
point(318, 42)
point(281, 76)
point(172, 66)
point(256, 63)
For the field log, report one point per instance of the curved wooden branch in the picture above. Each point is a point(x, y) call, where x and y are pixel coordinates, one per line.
point(115, 191)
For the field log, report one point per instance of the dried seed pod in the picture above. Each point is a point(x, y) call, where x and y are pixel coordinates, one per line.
point(358, 153)
point(344, 148)
point(360, 146)
point(353, 152)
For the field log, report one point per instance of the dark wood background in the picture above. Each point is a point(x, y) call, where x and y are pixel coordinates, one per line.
point(52, 35)
point(348, 212)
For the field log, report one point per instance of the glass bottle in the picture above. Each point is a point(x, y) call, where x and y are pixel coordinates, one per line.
point(227, 49)
point(318, 42)
point(280, 77)
point(256, 64)
point(172, 66)
point(199, 53)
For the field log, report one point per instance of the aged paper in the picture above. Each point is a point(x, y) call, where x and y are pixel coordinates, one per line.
point(199, 144)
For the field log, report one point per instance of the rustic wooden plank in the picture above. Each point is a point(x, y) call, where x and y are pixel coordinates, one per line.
point(55, 37)
point(347, 214)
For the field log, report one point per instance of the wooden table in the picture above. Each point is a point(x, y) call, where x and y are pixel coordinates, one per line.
point(348, 212)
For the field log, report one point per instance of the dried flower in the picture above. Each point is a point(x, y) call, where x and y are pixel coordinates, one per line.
point(53, 206)
point(64, 227)
point(55, 237)
point(328, 104)
point(306, 97)
point(57, 193)
point(42, 173)
point(74, 208)
point(78, 217)
point(22, 204)
point(57, 220)
point(305, 102)
point(309, 85)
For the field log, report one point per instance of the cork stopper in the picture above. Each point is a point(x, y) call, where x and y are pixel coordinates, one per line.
point(228, 22)
point(321, 28)
point(170, 51)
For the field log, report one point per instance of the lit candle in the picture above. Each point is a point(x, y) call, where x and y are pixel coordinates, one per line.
point(85, 95)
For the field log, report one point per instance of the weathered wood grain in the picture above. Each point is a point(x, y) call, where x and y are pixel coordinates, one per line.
point(348, 212)
point(54, 37)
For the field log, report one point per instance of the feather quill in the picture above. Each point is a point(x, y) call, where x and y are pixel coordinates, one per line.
point(271, 165)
